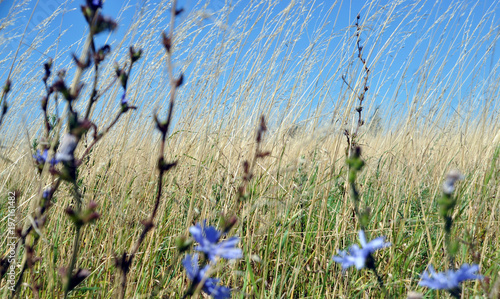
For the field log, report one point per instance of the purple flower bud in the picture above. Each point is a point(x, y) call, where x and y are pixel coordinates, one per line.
point(46, 193)
point(94, 4)
point(124, 100)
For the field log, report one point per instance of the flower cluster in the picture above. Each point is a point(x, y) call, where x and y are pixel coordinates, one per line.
point(64, 154)
point(358, 256)
point(208, 238)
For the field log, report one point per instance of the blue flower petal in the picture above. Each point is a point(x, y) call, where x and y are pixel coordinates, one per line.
point(450, 279)
point(357, 256)
point(212, 234)
point(208, 239)
point(197, 275)
point(190, 263)
point(197, 233)
point(362, 238)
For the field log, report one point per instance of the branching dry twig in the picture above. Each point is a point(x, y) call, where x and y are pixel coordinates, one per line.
point(124, 261)
point(352, 136)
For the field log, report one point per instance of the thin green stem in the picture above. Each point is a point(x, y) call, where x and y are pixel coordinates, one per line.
point(74, 256)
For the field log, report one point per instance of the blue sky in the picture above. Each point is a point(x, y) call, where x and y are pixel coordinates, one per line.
point(394, 73)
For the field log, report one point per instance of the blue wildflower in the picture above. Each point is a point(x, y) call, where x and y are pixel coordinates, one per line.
point(450, 279)
point(46, 193)
point(197, 275)
point(451, 179)
point(358, 256)
point(208, 238)
point(124, 100)
point(41, 157)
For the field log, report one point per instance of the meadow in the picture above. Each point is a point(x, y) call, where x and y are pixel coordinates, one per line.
point(250, 117)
